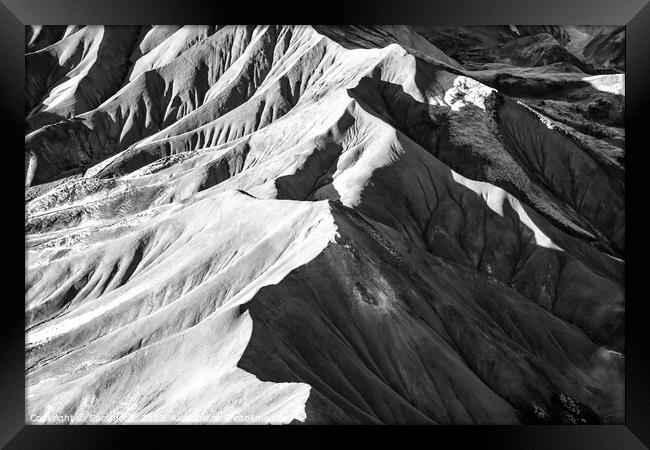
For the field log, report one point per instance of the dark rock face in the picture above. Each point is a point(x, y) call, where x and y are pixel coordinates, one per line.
point(296, 224)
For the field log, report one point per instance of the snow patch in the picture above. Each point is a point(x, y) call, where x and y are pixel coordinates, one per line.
point(466, 91)
point(612, 83)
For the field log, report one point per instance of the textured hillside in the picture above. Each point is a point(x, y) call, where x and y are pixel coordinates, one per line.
point(309, 224)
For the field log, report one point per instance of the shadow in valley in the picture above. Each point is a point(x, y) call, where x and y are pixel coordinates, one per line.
point(307, 327)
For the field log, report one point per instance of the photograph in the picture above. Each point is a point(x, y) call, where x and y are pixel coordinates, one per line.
point(325, 224)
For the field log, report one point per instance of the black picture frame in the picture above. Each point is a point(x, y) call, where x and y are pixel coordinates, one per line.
point(634, 14)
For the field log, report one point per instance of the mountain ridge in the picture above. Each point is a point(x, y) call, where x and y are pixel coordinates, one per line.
point(362, 228)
